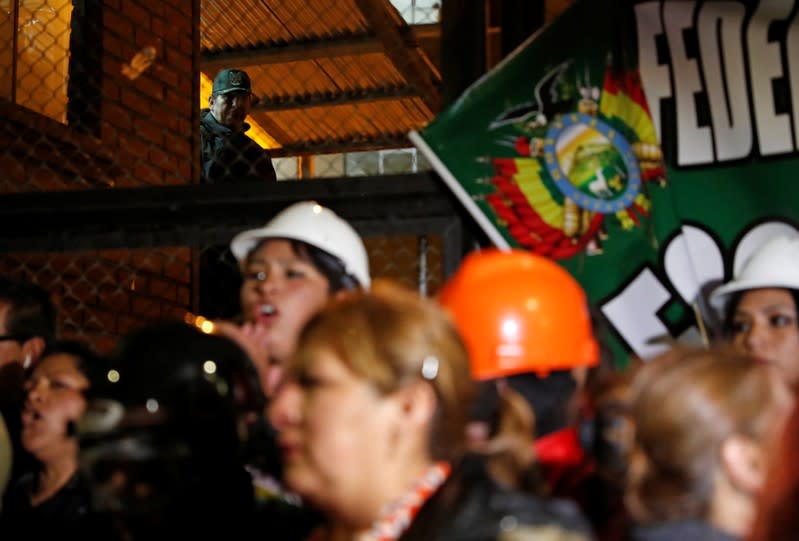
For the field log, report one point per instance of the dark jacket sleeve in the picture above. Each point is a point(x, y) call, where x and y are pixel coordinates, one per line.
point(247, 160)
point(235, 158)
point(263, 165)
point(471, 506)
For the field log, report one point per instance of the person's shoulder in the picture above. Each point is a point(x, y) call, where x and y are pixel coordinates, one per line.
point(204, 114)
point(244, 140)
point(531, 513)
point(679, 529)
point(244, 136)
point(473, 504)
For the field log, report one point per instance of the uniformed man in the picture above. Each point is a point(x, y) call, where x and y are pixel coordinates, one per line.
point(228, 154)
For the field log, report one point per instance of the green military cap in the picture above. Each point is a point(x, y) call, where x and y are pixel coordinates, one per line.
point(232, 80)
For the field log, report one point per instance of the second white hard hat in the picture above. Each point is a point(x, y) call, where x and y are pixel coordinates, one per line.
point(774, 264)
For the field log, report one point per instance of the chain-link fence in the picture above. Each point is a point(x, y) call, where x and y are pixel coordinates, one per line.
point(96, 94)
point(103, 294)
point(99, 95)
point(411, 260)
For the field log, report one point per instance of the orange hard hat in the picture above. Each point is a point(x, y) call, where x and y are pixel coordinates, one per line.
point(519, 312)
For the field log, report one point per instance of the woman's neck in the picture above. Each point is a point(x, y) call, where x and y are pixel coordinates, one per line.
point(732, 512)
point(392, 489)
point(53, 476)
point(340, 532)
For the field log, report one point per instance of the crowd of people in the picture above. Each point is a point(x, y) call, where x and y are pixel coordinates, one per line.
point(344, 408)
point(338, 407)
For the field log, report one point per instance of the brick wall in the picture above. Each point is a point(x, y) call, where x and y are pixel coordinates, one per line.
point(102, 295)
point(151, 119)
point(117, 130)
point(128, 132)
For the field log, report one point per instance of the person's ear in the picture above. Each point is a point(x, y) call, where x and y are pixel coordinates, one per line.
point(340, 294)
point(409, 412)
point(32, 349)
point(744, 463)
point(580, 375)
point(211, 101)
point(477, 433)
point(417, 403)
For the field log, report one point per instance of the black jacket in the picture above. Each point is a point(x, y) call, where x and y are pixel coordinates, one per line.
point(67, 513)
point(680, 530)
point(229, 155)
point(12, 400)
point(470, 506)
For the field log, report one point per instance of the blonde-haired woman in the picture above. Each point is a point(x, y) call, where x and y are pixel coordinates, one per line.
point(703, 421)
point(372, 418)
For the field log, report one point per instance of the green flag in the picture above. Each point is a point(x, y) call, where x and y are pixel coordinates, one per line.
point(647, 147)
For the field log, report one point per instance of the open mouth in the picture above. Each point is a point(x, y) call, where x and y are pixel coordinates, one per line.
point(30, 416)
point(288, 449)
point(266, 313)
point(762, 360)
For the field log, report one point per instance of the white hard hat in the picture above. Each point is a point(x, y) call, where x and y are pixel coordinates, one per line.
point(775, 264)
point(310, 222)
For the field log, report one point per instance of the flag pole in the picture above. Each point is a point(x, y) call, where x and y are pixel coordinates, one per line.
point(460, 192)
point(700, 322)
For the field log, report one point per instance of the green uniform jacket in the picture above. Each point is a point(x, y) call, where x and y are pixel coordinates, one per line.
point(229, 156)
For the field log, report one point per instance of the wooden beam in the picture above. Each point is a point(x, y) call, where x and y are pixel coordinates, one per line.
point(426, 36)
point(350, 144)
point(392, 31)
point(326, 99)
point(279, 52)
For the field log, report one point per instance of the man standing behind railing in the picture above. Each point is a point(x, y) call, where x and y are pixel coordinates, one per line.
point(227, 152)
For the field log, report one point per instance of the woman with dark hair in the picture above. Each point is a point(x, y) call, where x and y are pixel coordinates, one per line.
point(532, 345)
point(54, 496)
point(703, 423)
point(760, 306)
point(290, 268)
point(527, 325)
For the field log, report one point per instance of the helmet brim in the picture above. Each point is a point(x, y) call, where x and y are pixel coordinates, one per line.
point(720, 296)
point(246, 241)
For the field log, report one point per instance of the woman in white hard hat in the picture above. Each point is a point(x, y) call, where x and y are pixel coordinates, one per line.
point(291, 267)
point(760, 305)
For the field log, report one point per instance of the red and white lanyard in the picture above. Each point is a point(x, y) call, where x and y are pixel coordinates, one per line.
point(395, 518)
